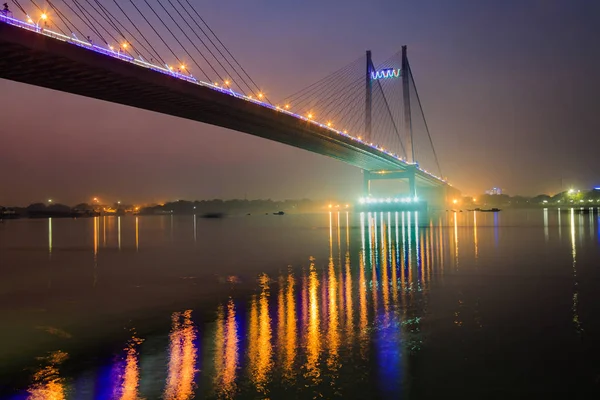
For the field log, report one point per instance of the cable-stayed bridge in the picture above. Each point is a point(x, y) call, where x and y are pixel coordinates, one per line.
point(164, 57)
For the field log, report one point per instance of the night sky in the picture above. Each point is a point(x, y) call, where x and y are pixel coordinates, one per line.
point(510, 90)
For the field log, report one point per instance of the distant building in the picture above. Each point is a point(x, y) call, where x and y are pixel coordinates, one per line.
point(494, 191)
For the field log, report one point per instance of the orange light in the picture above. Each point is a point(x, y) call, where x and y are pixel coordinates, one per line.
point(125, 45)
point(310, 115)
point(330, 206)
point(44, 16)
point(227, 82)
point(260, 95)
point(454, 201)
point(182, 66)
point(287, 106)
point(329, 124)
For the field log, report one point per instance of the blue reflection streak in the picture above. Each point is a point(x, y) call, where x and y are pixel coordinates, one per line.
point(388, 346)
point(496, 229)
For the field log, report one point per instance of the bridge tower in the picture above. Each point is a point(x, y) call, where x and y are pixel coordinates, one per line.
point(405, 71)
point(409, 173)
point(368, 96)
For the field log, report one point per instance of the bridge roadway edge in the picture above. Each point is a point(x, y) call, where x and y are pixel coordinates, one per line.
point(39, 60)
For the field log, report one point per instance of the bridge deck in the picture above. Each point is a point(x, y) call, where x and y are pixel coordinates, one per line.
point(40, 60)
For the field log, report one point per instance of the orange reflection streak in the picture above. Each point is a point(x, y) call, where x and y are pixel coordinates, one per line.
point(219, 345)
point(253, 336)
point(441, 244)
point(455, 242)
point(226, 352)
point(374, 255)
point(290, 330)
point(119, 231)
point(131, 376)
point(384, 270)
point(262, 364)
point(137, 233)
point(304, 297)
point(403, 267)
point(333, 334)
point(49, 235)
point(394, 266)
point(475, 234)
point(182, 357)
point(280, 316)
point(48, 385)
point(313, 340)
point(348, 298)
point(96, 235)
point(96, 232)
point(362, 304)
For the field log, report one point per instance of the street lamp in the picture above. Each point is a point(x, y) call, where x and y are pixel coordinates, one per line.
point(42, 17)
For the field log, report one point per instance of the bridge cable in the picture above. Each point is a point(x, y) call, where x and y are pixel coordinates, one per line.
point(392, 118)
point(160, 37)
point(16, 2)
point(424, 120)
point(105, 14)
point(333, 96)
point(219, 40)
point(85, 14)
point(89, 23)
point(188, 38)
point(342, 103)
point(210, 51)
point(311, 100)
point(136, 28)
point(328, 77)
point(103, 28)
point(316, 91)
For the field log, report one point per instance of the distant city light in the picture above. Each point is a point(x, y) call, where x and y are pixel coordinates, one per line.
point(49, 200)
point(571, 191)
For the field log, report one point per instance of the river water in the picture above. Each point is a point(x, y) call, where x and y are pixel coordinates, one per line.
point(386, 305)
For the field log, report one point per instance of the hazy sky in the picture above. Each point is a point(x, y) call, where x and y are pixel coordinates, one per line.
point(510, 89)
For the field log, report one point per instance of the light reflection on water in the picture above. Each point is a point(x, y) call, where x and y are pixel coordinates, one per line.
point(346, 325)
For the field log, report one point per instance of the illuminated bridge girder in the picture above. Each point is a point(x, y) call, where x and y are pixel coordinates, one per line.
point(35, 59)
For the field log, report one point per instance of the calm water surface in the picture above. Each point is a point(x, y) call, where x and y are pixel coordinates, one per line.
point(387, 305)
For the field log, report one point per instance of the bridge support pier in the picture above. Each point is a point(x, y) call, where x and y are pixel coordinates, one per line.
point(408, 174)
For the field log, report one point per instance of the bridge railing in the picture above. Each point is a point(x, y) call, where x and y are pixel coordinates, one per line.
point(189, 78)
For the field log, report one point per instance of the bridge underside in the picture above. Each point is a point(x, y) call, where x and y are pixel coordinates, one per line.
point(34, 59)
